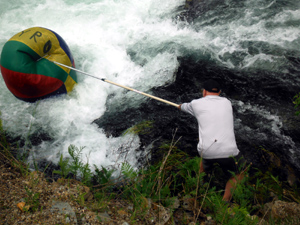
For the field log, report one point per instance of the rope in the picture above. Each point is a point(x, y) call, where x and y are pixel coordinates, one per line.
point(119, 85)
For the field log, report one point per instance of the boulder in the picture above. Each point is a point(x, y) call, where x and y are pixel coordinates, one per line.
point(281, 210)
point(284, 210)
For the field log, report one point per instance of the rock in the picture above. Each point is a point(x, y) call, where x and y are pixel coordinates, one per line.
point(182, 215)
point(175, 203)
point(267, 209)
point(104, 217)
point(210, 222)
point(64, 208)
point(189, 203)
point(283, 210)
point(164, 214)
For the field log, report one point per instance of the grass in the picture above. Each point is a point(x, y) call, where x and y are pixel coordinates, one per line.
point(175, 178)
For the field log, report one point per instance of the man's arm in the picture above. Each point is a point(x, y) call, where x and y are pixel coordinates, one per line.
point(187, 107)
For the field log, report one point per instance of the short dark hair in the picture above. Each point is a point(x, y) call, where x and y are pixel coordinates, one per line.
point(212, 86)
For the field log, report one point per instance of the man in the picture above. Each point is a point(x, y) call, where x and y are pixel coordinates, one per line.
point(216, 133)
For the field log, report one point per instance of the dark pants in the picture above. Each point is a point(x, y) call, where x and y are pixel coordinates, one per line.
point(235, 164)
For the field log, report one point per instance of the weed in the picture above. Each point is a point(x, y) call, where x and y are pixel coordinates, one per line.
point(128, 171)
point(64, 167)
point(190, 172)
point(80, 198)
point(76, 163)
point(32, 200)
point(3, 141)
point(75, 166)
point(296, 102)
point(244, 193)
point(102, 179)
point(266, 183)
point(7, 153)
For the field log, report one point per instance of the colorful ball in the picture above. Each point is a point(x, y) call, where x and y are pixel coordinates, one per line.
point(27, 65)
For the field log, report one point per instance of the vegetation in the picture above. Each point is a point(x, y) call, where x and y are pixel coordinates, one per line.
point(176, 178)
point(141, 128)
point(297, 103)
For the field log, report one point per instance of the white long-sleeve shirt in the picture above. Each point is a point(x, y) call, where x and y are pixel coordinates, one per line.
point(215, 125)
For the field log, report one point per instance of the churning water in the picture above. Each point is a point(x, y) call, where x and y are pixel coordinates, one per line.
point(137, 43)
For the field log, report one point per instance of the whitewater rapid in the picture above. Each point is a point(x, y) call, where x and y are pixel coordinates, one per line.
point(98, 34)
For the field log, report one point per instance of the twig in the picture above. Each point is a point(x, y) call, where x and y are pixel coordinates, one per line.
point(198, 180)
point(203, 199)
point(163, 164)
point(165, 160)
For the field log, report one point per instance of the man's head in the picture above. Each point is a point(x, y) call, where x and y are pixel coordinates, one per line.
point(211, 87)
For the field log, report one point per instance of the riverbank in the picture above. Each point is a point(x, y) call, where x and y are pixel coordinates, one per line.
point(169, 192)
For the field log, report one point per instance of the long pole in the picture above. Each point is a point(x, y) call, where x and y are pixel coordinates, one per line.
point(119, 85)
